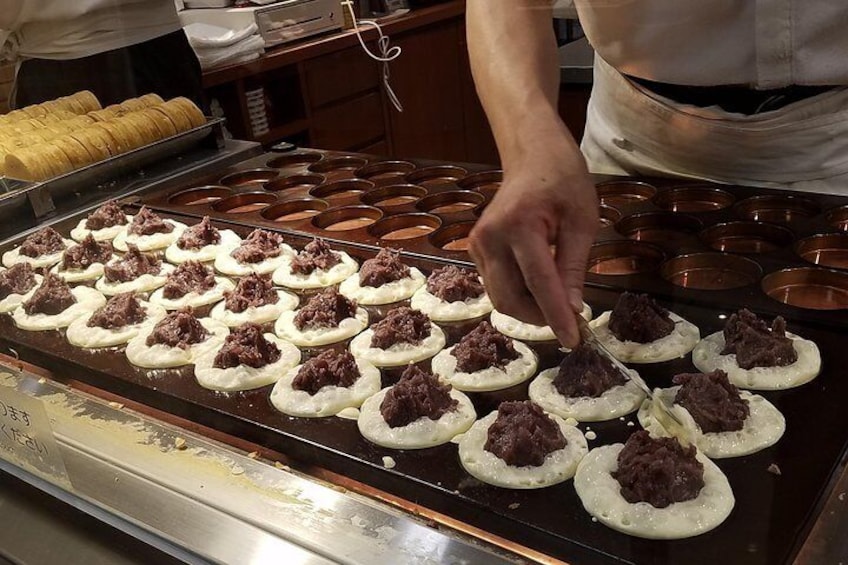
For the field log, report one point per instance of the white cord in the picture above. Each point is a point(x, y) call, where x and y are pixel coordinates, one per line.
point(387, 53)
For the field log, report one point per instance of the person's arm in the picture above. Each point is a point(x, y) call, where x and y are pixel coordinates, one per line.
point(547, 197)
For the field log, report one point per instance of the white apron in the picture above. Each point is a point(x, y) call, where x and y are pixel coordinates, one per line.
point(633, 131)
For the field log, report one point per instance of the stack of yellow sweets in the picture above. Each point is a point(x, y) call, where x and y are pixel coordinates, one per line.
point(46, 140)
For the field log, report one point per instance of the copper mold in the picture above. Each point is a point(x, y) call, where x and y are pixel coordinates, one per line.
point(621, 193)
point(294, 160)
point(486, 182)
point(693, 199)
point(385, 170)
point(746, 237)
point(827, 250)
point(200, 195)
point(659, 227)
point(405, 226)
point(451, 202)
point(608, 215)
point(624, 258)
point(244, 202)
point(711, 271)
point(394, 195)
point(294, 182)
point(341, 189)
point(838, 218)
point(251, 178)
point(346, 163)
point(774, 208)
point(809, 288)
point(295, 210)
point(453, 237)
point(347, 218)
point(434, 176)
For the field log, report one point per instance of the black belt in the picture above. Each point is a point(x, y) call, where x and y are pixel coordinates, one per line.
point(738, 99)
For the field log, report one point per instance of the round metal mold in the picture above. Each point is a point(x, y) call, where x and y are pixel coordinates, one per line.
point(405, 226)
point(250, 178)
point(294, 160)
point(827, 250)
point(624, 257)
point(809, 288)
point(385, 171)
point(200, 195)
point(438, 175)
point(659, 227)
point(453, 237)
point(608, 216)
point(746, 237)
point(341, 189)
point(345, 163)
point(711, 271)
point(776, 208)
point(624, 192)
point(393, 195)
point(838, 218)
point(693, 199)
point(294, 182)
point(486, 181)
point(347, 218)
point(244, 202)
point(451, 202)
point(294, 210)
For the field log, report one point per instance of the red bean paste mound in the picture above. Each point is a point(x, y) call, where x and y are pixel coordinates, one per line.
point(119, 311)
point(191, 276)
point(658, 471)
point(148, 223)
point(51, 298)
point(246, 346)
point(330, 368)
point(416, 395)
point(85, 254)
point(452, 284)
point(258, 246)
point(483, 347)
point(637, 317)
point(252, 290)
point(199, 235)
point(386, 267)
point(45, 241)
point(108, 215)
point(316, 255)
point(713, 402)
point(324, 310)
point(132, 265)
point(178, 329)
point(523, 435)
point(401, 325)
point(17, 279)
point(585, 372)
point(754, 344)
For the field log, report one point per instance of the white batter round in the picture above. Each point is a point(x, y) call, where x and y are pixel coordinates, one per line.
point(14, 300)
point(613, 403)
point(256, 314)
point(227, 264)
point(90, 273)
point(559, 465)
point(194, 299)
point(678, 343)
point(517, 329)
point(160, 356)
point(419, 434)
point(88, 300)
point(13, 257)
point(149, 242)
point(80, 232)
point(319, 278)
point(441, 311)
point(81, 335)
point(329, 400)
point(244, 377)
point(144, 283)
point(398, 354)
point(488, 379)
point(601, 496)
point(707, 358)
point(763, 427)
point(394, 291)
point(346, 329)
point(229, 241)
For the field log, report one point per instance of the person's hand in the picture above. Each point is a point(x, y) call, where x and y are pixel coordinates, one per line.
point(547, 199)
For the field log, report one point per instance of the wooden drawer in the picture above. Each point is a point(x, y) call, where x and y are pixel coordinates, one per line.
point(349, 125)
point(339, 75)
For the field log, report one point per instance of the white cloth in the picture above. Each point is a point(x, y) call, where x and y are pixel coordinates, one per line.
point(762, 43)
point(71, 29)
point(802, 146)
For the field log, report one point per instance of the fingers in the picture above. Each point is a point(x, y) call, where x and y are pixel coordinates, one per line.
point(572, 255)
